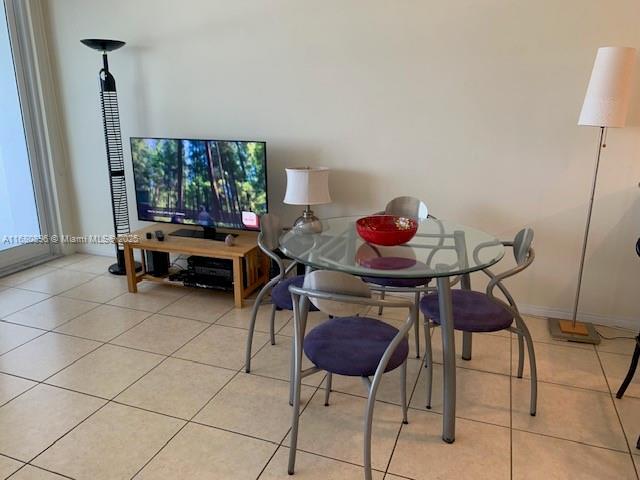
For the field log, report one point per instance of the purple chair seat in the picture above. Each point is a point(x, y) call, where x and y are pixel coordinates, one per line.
point(353, 346)
point(397, 282)
point(472, 311)
point(281, 297)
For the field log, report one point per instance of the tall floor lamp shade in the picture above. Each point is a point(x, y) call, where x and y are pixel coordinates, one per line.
point(113, 143)
point(605, 106)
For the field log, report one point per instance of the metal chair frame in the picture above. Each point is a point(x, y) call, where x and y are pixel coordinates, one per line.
point(268, 239)
point(301, 298)
point(414, 208)
point(523, 259)
point(634, 361)
point(631, 372)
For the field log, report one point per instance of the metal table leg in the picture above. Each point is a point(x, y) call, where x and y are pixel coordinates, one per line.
point(449, 358)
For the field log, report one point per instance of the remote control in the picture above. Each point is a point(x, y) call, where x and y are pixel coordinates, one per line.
point(160, 235)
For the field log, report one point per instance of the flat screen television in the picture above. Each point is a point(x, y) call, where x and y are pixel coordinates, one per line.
point(210, 183)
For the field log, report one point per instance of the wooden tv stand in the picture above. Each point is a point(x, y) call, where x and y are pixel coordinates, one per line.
point(245, 253)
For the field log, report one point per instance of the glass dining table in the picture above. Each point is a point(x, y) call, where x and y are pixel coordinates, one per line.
point(440, 250)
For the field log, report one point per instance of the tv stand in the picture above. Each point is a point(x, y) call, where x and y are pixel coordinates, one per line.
point(208, 233)
point(250, 265)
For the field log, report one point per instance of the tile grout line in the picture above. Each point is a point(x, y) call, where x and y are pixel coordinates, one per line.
point(39, 382)
point(260, 349)
point(190, 420)
point(308, 452)
point(90, 415)
point(39, 468)
point(578, 442)
point(98, 304)
point(615, 407)
point(395, 443)
point(281, 328)
point(280, 444)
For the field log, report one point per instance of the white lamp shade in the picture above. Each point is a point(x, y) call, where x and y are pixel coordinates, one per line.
point(607, 99)
point(307, 186)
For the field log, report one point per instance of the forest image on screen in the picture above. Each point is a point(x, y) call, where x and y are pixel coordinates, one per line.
point(212, 183)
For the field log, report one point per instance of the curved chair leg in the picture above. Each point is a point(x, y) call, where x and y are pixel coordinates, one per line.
point(327, 388)
point(382, 292)
point(403, 391)
point(272, 324)
point(368, 422)
point(252, 323)
point(416, 324)
point(428, 360)
point(534, 371)
point(632, 370)
point(520, 355)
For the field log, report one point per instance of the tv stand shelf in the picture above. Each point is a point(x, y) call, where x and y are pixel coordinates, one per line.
point(246, 256)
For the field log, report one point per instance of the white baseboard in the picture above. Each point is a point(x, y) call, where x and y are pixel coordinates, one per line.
point(599, 319)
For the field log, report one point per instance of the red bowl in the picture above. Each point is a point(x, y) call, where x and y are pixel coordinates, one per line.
point(386, 229)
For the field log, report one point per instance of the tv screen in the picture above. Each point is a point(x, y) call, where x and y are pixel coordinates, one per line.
point(212, 183)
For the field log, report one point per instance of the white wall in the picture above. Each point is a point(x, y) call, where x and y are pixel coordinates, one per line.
point(470, 105)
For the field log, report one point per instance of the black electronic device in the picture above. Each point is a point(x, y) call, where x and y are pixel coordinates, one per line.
point(209, 272)
point(149, 235)
point(157, 263)
point(160, 235)
point(207, 233)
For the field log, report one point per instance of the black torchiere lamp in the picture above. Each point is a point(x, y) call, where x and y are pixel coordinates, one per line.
point(113, 142)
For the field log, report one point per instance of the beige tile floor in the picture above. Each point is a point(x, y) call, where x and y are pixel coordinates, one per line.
point(97, 383)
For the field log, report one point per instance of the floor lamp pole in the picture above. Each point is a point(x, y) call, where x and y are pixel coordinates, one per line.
point(587, 226)
point(572, 330)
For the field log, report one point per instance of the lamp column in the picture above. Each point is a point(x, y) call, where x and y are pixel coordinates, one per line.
point(605, 106)
point(113, 143)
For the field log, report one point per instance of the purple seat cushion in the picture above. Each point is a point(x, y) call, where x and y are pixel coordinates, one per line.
point(281, 296)
point(472, 311)
point(353, 346)
point(397, 282)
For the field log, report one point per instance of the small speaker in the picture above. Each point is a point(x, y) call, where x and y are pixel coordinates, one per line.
point(157, 263)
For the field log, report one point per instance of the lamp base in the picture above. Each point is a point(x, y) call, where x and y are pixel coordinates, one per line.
point(307, 223)
point(580, 333)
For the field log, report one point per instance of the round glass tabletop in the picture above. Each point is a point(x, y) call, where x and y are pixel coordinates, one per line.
point(439, 249)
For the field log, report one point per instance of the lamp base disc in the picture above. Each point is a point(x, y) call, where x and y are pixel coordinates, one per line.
point(582, 333)
point(116, 270)
point(567, 326)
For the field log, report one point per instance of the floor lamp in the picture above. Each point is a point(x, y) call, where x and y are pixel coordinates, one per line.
point(605, 106)
point(113, 143)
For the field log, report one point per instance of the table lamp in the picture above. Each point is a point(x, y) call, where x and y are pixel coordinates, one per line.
point(605, 105)
point(307, 186)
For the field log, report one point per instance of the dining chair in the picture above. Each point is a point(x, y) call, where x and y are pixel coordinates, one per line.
point(413, 208)
point(347, 344)
point(634, 361)
point(478, 312)
point(268, 241)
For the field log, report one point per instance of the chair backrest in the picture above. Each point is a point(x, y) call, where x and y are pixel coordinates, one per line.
point(523, 254)
point(522, 245)
point(338, 283)
point(407, 207)
point(270, 230)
